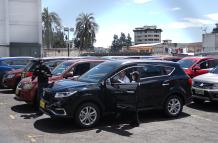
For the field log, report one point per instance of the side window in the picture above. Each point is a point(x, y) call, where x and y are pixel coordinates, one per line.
point(167, 70)
point(50, 65)
point(149, 71)
point(81, 69)
point(212, 63)
point(19, 62)
point(204, 65)
point(93, 64)
point(7, 62)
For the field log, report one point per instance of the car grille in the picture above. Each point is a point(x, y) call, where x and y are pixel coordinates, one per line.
point(202, 85)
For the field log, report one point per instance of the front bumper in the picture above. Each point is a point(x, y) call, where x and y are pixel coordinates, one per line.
point(205, 94)
point(55, 109)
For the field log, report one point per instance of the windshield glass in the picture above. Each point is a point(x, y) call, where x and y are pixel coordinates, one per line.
point(30, 66)
point(186, 63)
point(97, 73)
point(61, 68)
point(214, 70)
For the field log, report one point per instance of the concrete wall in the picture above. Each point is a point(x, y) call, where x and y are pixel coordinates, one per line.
point(4, 51)
point(20, 22)
point(209, 42)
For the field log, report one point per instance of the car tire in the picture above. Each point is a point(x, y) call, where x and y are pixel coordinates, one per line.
point(87, 115)
point(198, 101)
point(173, 106)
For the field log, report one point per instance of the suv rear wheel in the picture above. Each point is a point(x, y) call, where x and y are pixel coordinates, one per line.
point(87, 115)
point(173, 106)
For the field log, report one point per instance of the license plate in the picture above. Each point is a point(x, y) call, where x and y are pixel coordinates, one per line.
point(42, 104)
point(198, 91)
point(17, 91)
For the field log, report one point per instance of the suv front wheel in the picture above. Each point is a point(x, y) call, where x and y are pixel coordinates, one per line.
point(173, 106)
point(87, 115)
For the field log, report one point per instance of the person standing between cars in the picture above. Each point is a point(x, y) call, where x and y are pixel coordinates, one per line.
point(134, 112)
point(42, 72)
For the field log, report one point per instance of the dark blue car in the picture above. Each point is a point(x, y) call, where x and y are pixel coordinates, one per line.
point(11, 63)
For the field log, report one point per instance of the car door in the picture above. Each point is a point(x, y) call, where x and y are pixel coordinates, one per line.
point(204, 67)
point(121, 95)
point(154, 84)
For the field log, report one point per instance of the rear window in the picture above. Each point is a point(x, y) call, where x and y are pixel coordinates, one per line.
point(186, 63)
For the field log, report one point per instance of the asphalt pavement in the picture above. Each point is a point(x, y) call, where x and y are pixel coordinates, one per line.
point(20, 123)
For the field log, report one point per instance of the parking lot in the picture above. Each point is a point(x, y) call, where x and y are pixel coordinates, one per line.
point(19, 123)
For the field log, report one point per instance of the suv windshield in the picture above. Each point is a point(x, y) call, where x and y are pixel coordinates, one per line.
point(186, 63)
point(97, 73)
point(61, 68)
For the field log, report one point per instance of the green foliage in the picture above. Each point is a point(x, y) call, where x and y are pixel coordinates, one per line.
point(122, 42)
point(51, 24)
point(85, 31)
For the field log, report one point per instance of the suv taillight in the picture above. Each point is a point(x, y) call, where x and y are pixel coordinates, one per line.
point(190, 82)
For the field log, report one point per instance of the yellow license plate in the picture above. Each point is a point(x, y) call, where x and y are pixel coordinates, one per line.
point(17, 92)
point(42, 104)
point(198, 91)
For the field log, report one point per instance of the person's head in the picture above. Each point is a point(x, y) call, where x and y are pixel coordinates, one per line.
point(122, 74)
point(40, 62)
point(135, 76)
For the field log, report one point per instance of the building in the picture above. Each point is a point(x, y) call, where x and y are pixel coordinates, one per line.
point(210, 41)
point(20, 28)
point(143, 48)
point(147, 35)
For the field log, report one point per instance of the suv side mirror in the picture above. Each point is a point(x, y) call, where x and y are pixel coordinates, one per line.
point(68, 75)
point(195, 68)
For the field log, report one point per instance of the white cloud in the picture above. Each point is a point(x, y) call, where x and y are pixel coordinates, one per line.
point(213, 16)
point(175, 9)
point(187, 23)
point(141, 1)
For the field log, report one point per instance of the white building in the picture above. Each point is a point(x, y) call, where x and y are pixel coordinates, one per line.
point(147, 35)
point(210, 41)
point(20, 28)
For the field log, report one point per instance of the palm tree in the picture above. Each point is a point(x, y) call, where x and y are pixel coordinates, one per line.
point(50, 20)
point(86, 27)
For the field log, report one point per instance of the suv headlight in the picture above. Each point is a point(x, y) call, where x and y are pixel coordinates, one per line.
point(27, 86)
point(64, 94)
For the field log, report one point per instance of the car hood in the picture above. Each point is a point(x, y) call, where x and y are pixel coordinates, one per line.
point(208, 77)
point(15, 71)
point(67, 85)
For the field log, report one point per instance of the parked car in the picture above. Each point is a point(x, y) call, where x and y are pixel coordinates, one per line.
point(205, 87)
point(12, 63)
point(27, 89)
point(11, 79)
point(163, 85)
point(194, 66)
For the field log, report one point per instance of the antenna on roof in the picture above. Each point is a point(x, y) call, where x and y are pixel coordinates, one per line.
point(204, 29)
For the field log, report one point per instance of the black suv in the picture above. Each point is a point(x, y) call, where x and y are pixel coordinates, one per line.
point(162, 85)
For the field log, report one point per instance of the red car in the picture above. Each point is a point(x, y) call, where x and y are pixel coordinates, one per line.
point(27, 89)
point(194, 66)
point(11, 79)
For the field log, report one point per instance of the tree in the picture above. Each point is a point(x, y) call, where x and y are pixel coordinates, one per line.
point(58, 40)
point(85, 31)
point(128, 41)
point(122, 42)
point(116, 46)
point(50, 22)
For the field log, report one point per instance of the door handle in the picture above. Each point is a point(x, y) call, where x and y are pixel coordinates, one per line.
point(165, 83)
point(130, 91)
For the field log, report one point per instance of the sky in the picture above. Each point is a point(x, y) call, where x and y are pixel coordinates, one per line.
point(181, 20)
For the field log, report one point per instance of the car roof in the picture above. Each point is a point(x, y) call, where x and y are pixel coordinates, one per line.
point(84, 60)
point(138, 61)
point(14, 58)
point(197, 58)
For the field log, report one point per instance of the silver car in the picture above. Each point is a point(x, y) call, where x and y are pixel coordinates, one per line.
point(205, 87)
